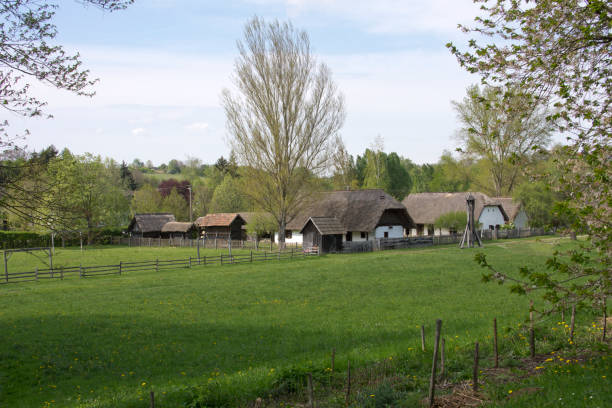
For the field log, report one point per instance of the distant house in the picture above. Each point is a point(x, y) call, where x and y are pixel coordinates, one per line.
point(222, 225)
point(425, 208)
point(149, 225)
point(176, 229)
point(346, 216)
point(516, 214)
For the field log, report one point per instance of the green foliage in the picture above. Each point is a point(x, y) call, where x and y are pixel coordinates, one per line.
point(539, 200)
point(146, 200)
point(229, 197)
point(261, 224)
point(175, 203)
point(23, 239)
point(452, 221)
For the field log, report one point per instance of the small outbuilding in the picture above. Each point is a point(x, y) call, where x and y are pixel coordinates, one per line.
point(175, 229)
point(149, 225)
point(323, 232)
point(516, 213)
point(223, 225)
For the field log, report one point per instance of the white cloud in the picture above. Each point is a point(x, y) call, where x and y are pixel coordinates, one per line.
point(390, 16)
point(197, 127)
point(138, 131)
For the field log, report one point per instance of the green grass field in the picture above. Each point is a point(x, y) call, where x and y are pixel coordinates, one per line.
point(109, 341)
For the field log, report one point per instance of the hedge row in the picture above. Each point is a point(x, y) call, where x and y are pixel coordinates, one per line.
point(26, 239)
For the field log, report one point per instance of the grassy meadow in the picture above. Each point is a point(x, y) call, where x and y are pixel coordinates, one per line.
point(241, 330)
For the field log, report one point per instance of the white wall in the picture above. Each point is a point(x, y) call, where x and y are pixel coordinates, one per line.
point(296, 237)
point(395, 231)
point(491, 215)
point(357, 237)
point(521, 221)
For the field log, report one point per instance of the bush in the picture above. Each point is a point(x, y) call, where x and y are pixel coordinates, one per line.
point(23, 239)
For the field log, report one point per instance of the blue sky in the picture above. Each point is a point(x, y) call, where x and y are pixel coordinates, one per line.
point(162, 66)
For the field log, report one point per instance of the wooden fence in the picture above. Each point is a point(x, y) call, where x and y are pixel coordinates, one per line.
point(411, 242)
point(216, 242)
point(156, 265)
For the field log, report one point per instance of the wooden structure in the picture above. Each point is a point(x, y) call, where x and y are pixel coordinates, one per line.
point(222, 225)
point(149, 225)
point(349, 216)
point(9, 252)
point(324, 233)
point(175, 229)
point(470, 236)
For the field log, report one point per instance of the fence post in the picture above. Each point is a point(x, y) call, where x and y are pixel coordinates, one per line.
point(156, 264)
point(475, 374)
point(422, 338)
point(432, 381)
point(251, 256)
point(120, 267)
point(189, 261)
point(495, 342)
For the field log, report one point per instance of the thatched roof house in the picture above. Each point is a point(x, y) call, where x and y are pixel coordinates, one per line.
point(516, 214)
point(149, 225)
point(426, 208)
point(340, 216)
point(222, 225)
point(177, 229)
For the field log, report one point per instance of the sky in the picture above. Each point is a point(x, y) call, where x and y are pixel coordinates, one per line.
point(162, 65)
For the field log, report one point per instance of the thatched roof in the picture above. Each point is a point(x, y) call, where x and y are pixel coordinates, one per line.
point(326, 225)
point(175, 226)
point(149, 222)
point(511, 207)
point(359, 210)
point(218, 220)
point(425, 208)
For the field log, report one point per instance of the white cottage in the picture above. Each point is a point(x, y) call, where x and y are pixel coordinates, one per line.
point(425, 208)
point(352, 216)
point(516, 213)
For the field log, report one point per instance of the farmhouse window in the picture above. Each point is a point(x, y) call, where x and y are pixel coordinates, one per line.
point(349, 236)
point(386, 234)
point(288, 234)
point(364, 235)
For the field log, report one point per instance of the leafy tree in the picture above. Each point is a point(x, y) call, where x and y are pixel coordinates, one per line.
point(502, 128)
point(400, 182)
point(539, 201)
point(146, 200)
point(92, 193)
point(559, 52)
point(453, 221)
point(175, 203)
point(202, 197)
point(285, 119)
point(174, 166)
point(126, 177)
point(421, 176)
point(261, 224)
point(345, 173)
point(229, 197)
point(376, 171)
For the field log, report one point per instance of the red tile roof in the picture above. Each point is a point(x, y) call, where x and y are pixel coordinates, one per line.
point(217, 220)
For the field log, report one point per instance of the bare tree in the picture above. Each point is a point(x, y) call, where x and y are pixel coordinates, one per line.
point(285, 118)
point(503, 128)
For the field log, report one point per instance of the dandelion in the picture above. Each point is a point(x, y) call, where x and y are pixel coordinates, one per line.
point(143, 383)
point(509, 391)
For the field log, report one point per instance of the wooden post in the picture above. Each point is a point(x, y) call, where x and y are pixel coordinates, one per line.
point(442, 358)
point(311, 402)
point(531, 331)
point(605, 317)
point(422, 337)
point(120, 267)
point(189, 261)
point(475, 374)
point(156, 264)
point(572, 322)
point(432, 381)
point(216, 235)
point(495, 350)
point(251, 256)
point(5, 267)
point(152, 399)
point(198, 250)
point(50, 259)
point(348, 384)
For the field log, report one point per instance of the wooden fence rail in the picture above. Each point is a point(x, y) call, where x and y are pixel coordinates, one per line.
point(149, 265)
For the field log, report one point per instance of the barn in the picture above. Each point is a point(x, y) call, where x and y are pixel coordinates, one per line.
point(425, 208)
point(149, 225)
point(334, 218)
point(222, 225)
point(176, 229)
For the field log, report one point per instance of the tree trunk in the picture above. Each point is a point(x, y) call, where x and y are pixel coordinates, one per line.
point(89, 233)
point(281, 234)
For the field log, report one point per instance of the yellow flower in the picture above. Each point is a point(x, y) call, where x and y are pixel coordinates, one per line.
point(143, 383)
point(509, 391)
